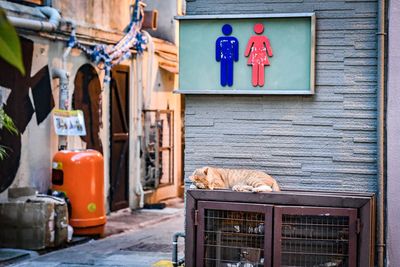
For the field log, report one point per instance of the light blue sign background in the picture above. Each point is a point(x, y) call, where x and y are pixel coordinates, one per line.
point(290, 66)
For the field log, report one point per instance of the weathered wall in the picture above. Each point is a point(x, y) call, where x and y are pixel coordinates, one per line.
point(326, 141)
point(39, 142)
point(393, 135)
point(110, 15)
point(97, 22)
point(160, 96)
point(167, 9)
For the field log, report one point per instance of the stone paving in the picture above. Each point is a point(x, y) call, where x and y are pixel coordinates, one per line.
point(145, 243)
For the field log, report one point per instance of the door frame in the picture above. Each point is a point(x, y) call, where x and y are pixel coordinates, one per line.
point(127, 118)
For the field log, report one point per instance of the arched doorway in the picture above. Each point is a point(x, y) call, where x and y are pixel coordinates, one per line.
point(86, 97)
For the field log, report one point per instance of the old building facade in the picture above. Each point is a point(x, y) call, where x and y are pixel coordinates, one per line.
point(122, 117)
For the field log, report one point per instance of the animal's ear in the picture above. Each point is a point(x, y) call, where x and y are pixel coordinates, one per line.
point(205, 170)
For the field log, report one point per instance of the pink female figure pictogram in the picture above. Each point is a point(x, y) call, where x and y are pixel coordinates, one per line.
point(258, 49)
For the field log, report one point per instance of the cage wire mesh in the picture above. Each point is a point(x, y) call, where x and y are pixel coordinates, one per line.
point(233, 238)
point(315, 241)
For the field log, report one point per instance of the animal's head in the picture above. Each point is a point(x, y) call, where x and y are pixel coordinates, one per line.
point(203, 179)
point(199, 178)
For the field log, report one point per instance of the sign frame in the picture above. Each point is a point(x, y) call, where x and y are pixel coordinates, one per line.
point(258, 91)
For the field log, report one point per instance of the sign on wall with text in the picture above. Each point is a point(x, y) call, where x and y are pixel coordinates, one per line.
point(69, 122)
point(247, 54)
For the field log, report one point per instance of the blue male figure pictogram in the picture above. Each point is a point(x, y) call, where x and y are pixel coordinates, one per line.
point(226, 52)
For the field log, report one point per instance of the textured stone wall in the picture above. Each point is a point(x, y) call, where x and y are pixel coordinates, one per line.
point(326, 141)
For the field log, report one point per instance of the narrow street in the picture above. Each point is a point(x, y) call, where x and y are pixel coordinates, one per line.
point(262, 133)
point(141, 246)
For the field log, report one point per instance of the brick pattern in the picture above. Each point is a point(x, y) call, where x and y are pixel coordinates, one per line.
point(326, 141)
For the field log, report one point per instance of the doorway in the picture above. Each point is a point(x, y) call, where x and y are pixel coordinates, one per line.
point(119, 138)
point(86, 97)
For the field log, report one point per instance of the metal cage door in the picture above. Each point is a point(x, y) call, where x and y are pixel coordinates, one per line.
point(315, 236)
point(234, 234)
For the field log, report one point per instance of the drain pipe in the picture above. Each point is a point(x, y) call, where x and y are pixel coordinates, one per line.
point(139, 129)
point(48, 26)
point(138, 119)
point(67, 51)
point(381, 133)
point(63, 99)
point(149, 78)
point(175, 261)
point(63, 75)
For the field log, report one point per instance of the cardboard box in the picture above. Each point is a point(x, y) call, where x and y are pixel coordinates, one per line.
point(33, 222)
point(60, 224)
point(26, 225)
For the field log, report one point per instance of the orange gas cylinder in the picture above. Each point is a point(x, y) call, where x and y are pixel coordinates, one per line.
point(80, 175)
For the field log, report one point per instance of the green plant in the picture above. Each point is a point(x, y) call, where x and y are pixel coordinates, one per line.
point(10, 47)
point(10, 51)
point(6, 123)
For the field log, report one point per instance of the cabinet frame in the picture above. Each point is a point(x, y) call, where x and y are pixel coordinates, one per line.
point(364, 203)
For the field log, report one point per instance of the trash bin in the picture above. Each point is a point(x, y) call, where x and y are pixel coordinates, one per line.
point(80, 175)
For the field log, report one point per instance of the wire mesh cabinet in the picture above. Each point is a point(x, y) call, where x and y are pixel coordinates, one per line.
point(234, 234)
point(309, 236)
point(279, 229)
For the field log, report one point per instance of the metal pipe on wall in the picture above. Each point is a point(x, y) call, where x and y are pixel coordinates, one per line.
point(63, 99)
point(64, 81)
point(175, 261)
point(37, 25)
point(139, 108)
point(51, 25)
point(68, 50)
point(139, 128)
point(149, 75)
point(381, 132)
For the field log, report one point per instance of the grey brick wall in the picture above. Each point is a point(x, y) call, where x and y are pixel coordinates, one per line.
point(326, 141)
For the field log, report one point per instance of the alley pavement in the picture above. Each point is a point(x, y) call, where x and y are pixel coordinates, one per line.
point(145, 239)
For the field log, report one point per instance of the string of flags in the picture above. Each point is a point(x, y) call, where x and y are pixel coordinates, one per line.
point(106, 56)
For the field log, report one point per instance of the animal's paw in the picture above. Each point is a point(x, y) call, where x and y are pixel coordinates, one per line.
point(199, 185)
point(242, 188)
point(192, 186)
point(263, 188)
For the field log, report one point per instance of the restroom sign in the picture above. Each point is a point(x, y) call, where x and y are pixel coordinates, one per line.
point(247, 54)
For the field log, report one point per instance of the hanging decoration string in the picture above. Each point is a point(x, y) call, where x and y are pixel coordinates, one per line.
point(106, 56)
